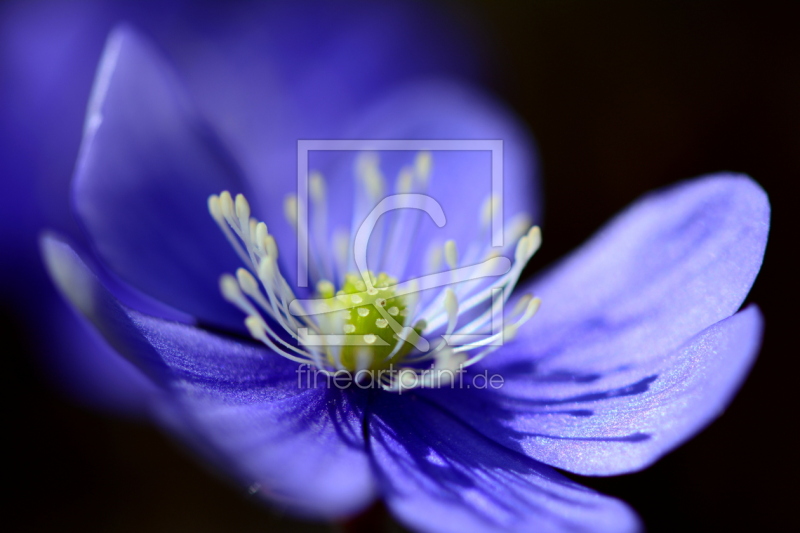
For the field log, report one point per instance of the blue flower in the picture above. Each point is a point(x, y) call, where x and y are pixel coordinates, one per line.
point(253, 68)
point(638, 344)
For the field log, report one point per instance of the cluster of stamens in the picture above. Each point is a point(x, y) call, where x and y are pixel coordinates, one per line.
point(372, 321)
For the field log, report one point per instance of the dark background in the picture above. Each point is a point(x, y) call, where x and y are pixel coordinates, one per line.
point(623, 97)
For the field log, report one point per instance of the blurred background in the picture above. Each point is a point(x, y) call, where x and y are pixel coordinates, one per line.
point(623, 97)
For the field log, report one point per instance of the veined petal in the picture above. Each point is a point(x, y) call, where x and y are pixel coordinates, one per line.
point(237, 403)
point(672, 264)
point(621, 309)
point(439, 475)
point(146, 168)
point(616, 422)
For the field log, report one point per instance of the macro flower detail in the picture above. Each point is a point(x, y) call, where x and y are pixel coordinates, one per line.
point(638, 344)
point(372, 322)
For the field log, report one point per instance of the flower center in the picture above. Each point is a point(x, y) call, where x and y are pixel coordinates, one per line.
point(437, 321)
point(370, 316)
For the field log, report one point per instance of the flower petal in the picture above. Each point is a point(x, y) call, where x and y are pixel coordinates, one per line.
point(449, 111)
point(146, 168)
point(238, 404)
point(439, 475)
point(672, 264)
point(267, 83)
point(614, 319)
point(82, 364)
point(606, 423)
point(461, 179)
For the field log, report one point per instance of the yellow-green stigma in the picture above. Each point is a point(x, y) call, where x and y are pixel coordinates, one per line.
point(370, 317)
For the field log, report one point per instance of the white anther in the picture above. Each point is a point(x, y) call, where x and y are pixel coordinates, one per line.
point(393, 311)
point(215, 208)
point(271, 247)
point(242, 207)
point(372, 291)
point(369, 338)
point(290, 210)
point(530, 310)
point(405, 181)
point(316, 187)
point(451, 307)
point(325, 287)
point(266, 271)
point(381, 323)
point(370, 174)
point(247, 282)
point(434, 258)
point(522, 304)
point(518, 226)
point(356, 299)
point(363, 311)
point(422, 166)
point(489, 207)
point(451, 254)
point(534, 240)
point(226, 203)
point(261, 237)
point(349, 328)
point(229, 288)
point(522, 249)
point(255, 326)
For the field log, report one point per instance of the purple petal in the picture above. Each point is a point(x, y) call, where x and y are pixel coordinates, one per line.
point(461, 180)
point(266, 83)
point(237, 403)
point(81, 364)
point(146, 169)
point(439, 475)
point(614, 326)
point(672, 264)
point(619, 421)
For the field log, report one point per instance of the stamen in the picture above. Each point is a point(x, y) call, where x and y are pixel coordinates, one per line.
point(316, 186)
point(290, 210)
point(242, 208)
point(451, 254)
point(376, 339)
point(451, 306)
point(490, 205)
point(370, 175)
point(405, 181)
point(422, 166)
point(341, 242)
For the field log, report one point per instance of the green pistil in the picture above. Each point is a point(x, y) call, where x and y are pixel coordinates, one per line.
point(357, 306)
